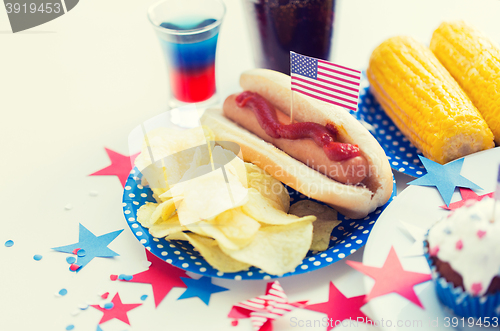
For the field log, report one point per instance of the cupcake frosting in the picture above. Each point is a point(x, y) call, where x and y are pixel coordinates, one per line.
point(470, 243)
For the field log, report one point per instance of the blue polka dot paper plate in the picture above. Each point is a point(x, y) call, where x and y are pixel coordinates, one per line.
point(402, 155)
point(346, 238)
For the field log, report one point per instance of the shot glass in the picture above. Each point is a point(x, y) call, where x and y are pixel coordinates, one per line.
point(188, 31)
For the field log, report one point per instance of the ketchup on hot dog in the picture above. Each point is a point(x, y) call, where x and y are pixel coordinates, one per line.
point(323, 136)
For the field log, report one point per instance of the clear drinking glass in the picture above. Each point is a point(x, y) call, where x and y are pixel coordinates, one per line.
point(188, 31)
point(279, 26)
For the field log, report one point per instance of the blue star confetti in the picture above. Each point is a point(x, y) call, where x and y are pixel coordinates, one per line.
point(125, 277)
point(444, 177)
point(91, 245)
point(201, 288)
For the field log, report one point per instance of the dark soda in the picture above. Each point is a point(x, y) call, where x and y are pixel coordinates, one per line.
point(191, 59)
point(280, 26)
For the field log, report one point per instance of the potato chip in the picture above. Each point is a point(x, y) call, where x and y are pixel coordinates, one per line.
point(167, 153)
point(217, 158)
point(197, 228)
point(326, 221)
point(145, 161)
point(153, 176)
point(180, 165)
point(268, 186)
point(232, 163)
point(165, 228)
point(207, 196)
point(145, 212)
point(164, 210)
point(188, 216)
point(276, 249)
point(157, 192)
point(235, 226)
point(166, 195)
point(232, 228)
point(266, 211)
point(212, 253)
point(176, 236)
point(201, 157)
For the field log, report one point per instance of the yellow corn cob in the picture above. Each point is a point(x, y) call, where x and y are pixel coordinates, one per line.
point(425, 102)
point(474, 61)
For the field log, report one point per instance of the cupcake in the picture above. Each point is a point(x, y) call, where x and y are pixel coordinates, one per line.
point(463, 251)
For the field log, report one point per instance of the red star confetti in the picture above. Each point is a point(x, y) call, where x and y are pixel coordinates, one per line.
point(467, 195)
point(392, 278)
point(121, 165)
point(263, 309)
point(117, 310)
point(339, 308)
point(161, 275)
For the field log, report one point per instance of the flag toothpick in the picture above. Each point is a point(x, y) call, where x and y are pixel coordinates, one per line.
point(325, 81)
point(496, 196)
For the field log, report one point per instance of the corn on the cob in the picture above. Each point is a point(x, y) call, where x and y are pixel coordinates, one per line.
point(474, 61)
point(425, 102)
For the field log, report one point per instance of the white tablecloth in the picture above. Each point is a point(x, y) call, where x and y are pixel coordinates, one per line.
point(80, 83)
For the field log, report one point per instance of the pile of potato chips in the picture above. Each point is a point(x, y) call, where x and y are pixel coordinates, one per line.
point(234, 213)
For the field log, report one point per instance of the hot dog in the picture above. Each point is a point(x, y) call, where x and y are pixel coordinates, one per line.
point(348, 171)
point(355, 183)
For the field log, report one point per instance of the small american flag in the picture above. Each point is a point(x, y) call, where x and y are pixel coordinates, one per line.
point(264, 308)
point(325, 81)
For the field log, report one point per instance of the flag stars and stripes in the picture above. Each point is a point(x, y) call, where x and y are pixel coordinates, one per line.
point(270, 306)
point(325, 81)
point(304, 65)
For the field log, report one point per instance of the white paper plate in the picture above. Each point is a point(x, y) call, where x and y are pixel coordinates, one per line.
point(419, 206)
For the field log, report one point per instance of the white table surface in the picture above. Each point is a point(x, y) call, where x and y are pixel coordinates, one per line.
point(80, 83)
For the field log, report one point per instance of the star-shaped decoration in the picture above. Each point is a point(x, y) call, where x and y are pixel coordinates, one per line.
point(418, 235)
point(467, 195)
point(339, 308)
point(121, 165)
point(201, 288)
point(118, 311)
point(444, 177)
point(91, 246)
point(392, 278)
point(161, 275)
point(263, 309)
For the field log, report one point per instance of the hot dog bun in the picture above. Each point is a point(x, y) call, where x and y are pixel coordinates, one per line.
point(354, 201)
